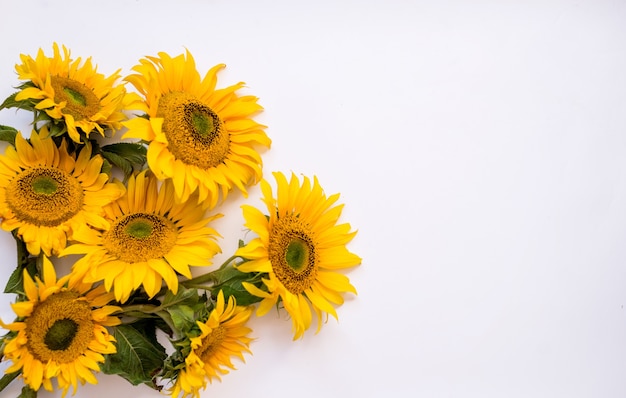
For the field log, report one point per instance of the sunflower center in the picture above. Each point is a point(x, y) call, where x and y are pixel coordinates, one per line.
point(139, 228)
point(44, 185)
point(60, 334)
point(80, 101)
point(291, 251)
point(211, 343)
point(44, 196)
point(195, 133)
point(140, 237)
point(297, 254)
point(75, 97)
point(60, 328)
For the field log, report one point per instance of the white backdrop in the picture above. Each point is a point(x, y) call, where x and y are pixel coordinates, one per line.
point(479, 147)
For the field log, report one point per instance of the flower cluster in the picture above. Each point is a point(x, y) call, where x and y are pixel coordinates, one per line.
point(124, 177)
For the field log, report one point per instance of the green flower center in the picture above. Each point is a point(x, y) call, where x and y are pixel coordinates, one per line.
point(44, 196)
point(297, 254)
point(139, 237)
point(139, 228)
point(195, 133)
point(202, 123)
point(45, 185)
point(75, 97)
point(61, 334)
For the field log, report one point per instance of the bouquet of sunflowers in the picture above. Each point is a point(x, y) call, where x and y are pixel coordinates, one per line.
point(126, 184)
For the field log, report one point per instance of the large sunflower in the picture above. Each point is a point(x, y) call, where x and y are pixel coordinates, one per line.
point(60, 332)
point(69, 91)
point(202, 138)
point(150, 239)
point(222, 336)
point(45, 192)
point(299, 246)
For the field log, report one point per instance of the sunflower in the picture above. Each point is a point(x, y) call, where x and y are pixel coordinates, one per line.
point(150, 239)
point(60, 332)
point(69, 91)
point(202, 138)
point(299, 246)
point(222, 336)
point(45, 192)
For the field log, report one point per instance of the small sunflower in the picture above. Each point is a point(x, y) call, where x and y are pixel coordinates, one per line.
point(45, 192)
point(150, 239)
point(202, 138)
point(69, 91)
point(222, 336)
point(60, 332)
point(299, 246)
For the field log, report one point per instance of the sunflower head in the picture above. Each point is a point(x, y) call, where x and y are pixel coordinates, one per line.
point(149, 239)
point(70, 94)
point(60, 333)
point(207, 351)
point(46, 192)
point(202, 138)
point(300, 246)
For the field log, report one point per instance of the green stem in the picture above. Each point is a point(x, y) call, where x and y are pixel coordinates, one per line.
point(200, 280)
point(8, 378)
point(141, 308)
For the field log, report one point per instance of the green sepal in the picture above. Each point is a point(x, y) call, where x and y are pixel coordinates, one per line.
point(7, 134)
point(139, 356)
point(56, 128)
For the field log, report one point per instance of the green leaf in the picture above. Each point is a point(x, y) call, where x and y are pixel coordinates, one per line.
point(139, 355)
point(131, 152)
point(183, 317)
point(8, 134)
point(126, 156)
point(118, 161)
point(184, 308)
point(10, 102)
point(187, 296)
point(15, 284)
point(229, 280)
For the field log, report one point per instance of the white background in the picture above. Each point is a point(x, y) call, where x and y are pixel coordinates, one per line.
point(479, 147)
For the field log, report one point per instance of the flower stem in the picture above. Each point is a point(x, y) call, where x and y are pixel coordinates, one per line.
point(8, 378)
point(200, 280)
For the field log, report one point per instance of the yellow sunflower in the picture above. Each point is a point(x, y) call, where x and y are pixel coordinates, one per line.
point(299, 246)
point(45, 193)
point(202, 138)
point(69, 91)
point(150, 239)
point(60, 332)
point(222, 336)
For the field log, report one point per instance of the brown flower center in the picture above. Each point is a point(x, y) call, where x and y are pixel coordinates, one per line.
point(140, 237)
point(291, 251)
point(195, 134)
point(80, 100)
point(60, 328)
point(44, 196)
point(211, 343)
